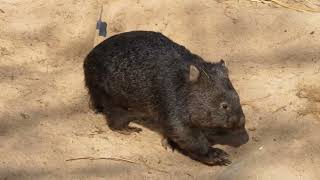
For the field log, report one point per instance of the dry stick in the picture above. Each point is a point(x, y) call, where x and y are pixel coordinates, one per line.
point(280, 108)
point(110, 158)
point(294, 8)
point(310, 7)
point(117, 159)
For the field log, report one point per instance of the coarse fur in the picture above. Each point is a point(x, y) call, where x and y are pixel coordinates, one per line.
point(143, 72)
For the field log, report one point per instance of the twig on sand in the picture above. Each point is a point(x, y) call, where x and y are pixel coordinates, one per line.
point(280, 108)
point(286, 5)
point(295, 8)
point(107, 158)
point(117, 159)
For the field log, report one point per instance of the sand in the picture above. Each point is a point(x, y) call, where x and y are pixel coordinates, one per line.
point(273, 54)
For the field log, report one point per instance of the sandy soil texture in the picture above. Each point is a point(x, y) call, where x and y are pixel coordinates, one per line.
point(273, 54)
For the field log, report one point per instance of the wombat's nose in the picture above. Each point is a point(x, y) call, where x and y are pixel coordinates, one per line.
point(237, 122)
point(242, 121)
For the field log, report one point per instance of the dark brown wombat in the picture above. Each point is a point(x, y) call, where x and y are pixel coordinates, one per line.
point(145, 72)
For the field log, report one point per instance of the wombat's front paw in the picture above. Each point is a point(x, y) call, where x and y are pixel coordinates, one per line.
point(216, 156)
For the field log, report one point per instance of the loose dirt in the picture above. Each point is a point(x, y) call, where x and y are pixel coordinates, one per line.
point(47, 130)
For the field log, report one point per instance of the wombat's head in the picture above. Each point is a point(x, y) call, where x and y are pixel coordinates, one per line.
point(214, 102)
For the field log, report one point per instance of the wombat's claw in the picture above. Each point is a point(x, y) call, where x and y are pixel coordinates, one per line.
point(218, 157)
point(129, 130)
point(219, 152)
point(165, 143)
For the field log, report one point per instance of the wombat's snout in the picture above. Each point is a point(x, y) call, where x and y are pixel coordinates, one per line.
point(236, 122)
point(242, 121)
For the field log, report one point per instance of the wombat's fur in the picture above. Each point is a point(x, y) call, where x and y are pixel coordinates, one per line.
point(145, 72)
point(223, 136)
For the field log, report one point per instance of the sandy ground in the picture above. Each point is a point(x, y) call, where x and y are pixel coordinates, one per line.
point(273, 54)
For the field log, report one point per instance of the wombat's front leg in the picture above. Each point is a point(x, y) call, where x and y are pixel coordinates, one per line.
point(194, 144)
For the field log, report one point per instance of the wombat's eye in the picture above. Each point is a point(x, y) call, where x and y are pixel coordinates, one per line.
point(224, 105)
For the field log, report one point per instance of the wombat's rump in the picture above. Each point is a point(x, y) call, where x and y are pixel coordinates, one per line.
point(143, 72)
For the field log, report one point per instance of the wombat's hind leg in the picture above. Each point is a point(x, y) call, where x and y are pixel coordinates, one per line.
point(118, 119)
point(168, 144)
point(97, 95)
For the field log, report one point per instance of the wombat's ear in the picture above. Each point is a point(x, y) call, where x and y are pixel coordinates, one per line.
point(223, 63)
point(194, 73)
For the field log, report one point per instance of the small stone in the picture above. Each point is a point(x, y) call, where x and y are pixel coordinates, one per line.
point(255, 139)
point(260, 148)
point(252, 129)
point(312, 32)
point(24, 115)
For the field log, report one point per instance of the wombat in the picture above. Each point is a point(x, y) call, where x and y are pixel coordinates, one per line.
point(146, 73)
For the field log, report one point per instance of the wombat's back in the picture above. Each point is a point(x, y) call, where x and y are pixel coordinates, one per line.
point(136, 47)
point(134, 66)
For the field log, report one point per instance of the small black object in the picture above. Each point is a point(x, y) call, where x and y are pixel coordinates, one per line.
point(101, 25)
